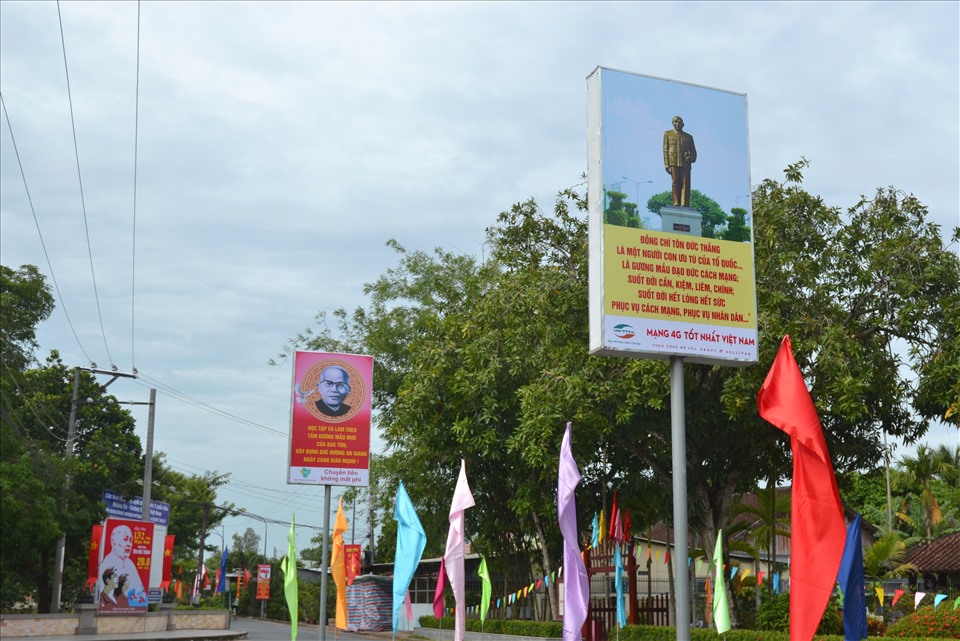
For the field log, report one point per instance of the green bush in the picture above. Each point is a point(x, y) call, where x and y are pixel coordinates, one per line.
point(774, 614)
point(930, 622)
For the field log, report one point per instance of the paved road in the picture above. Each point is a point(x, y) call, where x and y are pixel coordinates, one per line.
point(259, 630)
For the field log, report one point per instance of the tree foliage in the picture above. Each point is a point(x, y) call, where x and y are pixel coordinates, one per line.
point(45, 494)
point(485, 362)
point(714, 218)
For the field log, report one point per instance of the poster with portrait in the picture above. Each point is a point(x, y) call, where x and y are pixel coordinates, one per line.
point(670, 220)
point(123, 575)
point(330, 419)
point(263, 582)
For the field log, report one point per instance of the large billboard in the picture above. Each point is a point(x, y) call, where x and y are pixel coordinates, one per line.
point(123, 575)
point(330, 419)
point(671, 238)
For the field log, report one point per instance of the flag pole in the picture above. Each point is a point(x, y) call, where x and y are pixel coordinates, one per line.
point(324, 563)
point(679, 446)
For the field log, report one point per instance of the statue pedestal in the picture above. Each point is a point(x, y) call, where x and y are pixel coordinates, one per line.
point(681, 220)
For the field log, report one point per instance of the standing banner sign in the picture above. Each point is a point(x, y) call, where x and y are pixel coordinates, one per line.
point(124, 572)
point(330, 419)
point(263, 582)
point(354, 562)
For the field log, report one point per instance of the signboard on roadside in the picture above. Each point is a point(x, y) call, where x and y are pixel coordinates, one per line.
point(330, 410)
point(671, 239)
point(263, 582)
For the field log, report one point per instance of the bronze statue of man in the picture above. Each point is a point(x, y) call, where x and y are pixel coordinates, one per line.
point(679, 154)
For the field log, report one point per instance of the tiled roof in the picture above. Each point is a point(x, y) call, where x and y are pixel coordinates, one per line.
point(940, 555)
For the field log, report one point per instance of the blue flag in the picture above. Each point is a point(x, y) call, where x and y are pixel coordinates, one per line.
point(222, 583)
point(618, 583)
point(411, 539)
point(595, 537)
point(850, 578)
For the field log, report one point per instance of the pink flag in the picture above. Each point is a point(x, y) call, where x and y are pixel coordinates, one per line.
point(817, 530)
point(408, 606)
point(576, 583)
point(453, 556)
point(438, 593)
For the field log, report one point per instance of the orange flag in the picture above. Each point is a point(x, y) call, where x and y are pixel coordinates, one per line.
point(816, 520)
point(338, 567)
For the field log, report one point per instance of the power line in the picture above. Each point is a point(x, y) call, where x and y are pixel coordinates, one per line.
point(83, 202)
point(36, 221)
point(189, 400)
point(133, 261)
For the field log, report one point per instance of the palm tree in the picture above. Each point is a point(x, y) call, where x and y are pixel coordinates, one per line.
point(884, 558)
point(756, 522)
point(918, 472)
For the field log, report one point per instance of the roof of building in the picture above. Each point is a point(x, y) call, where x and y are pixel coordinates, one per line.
point(940, 555)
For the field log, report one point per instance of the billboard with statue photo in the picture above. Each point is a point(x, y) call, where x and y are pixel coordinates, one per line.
point(671, 252)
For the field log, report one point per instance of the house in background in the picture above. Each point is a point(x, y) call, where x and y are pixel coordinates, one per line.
point(938, 564)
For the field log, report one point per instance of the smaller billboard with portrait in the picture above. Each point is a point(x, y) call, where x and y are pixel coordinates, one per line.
point(263, 582)
point(330, 419)
point(123, 576)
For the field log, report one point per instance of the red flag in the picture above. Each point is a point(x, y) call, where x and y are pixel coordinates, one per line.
point(94, 561)
point(216, 590)
point(438, 593)
point(816, 521)
point(616, 531)
point(626, 525)
point(167, 561)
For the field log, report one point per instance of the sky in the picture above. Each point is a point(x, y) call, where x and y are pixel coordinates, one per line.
point(249, 172)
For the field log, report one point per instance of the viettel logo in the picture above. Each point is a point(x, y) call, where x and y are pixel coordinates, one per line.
point(623, 331)
point(305, 472)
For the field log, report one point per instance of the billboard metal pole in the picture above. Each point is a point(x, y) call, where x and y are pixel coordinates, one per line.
point(679, 446)
point(324, 563)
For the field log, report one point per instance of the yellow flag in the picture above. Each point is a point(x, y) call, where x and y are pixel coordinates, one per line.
point(338, 567)
point(603, 528)
point(880, 595)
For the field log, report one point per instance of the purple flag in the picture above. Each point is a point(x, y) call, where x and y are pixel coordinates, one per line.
point(453, 557)
point(576, 584)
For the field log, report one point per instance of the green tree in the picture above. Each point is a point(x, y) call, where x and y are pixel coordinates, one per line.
point(620, 212)
point(25, 301)
point(714, 218)
point(736, 229)
point(485, 362)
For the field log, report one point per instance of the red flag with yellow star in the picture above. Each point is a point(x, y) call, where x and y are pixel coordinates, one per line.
point(167, 561)
point(94, 561)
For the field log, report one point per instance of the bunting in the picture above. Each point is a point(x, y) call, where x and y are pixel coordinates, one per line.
point(896, 597)
point(485, 588)
point(850, 578)
point(721, 611)
point(338, 567)
point(290, 591)
point(577, 586)
point(411, 539)
point(438, 592)
point(93, 561)
point(817, 528)
point(917, 598)
point(453, 556)
point(616, 529)
point(937, 599)
point(167, 574)
point(618, 584)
